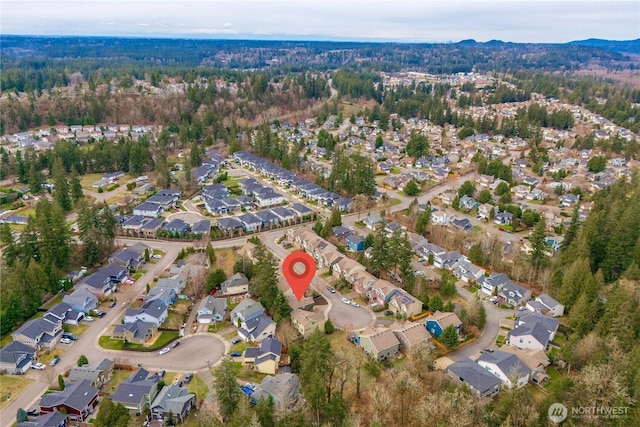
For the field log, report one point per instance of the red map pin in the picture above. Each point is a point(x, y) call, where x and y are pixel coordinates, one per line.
point(299, 282)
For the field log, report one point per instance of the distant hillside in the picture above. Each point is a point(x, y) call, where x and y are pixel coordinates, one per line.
point(622, 46)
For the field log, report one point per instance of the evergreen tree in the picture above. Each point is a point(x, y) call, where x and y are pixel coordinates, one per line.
point(538, 257)
point(112, 414)
point(314, 367)
point(449, 337)
point(228, 393)
point(82, 360)
point(476, 254)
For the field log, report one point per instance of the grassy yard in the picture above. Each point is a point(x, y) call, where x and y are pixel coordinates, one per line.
point(162, 341)
point(47, 356)
point(240, 346)
point(174, 320)
point(198, 386)
point(225, 258)
point(170, 377)
point(137, 276)
point(88, 179)
point(53, 301)
point(119, 375)
point(77, 329)
point(10, 387)
point(230, 335)
point(395, 201)
point(108, 343)
point(218, 326)
point(6, 340)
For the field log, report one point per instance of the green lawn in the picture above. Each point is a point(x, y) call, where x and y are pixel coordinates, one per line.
point(53, 301)
point(110, 344)
point(88, 179)
point(164, 339)
point(240, 346)
point(6, 340)
point(77, 329)
point(137, 276)
point(395, 201)
point(198, 386)
point(119, 375)
point(10, 387)
point(395, 171)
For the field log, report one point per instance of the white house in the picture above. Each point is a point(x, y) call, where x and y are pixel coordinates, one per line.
point(545, 304)
point(154, 311)
point(211, 309)
point(506, 366)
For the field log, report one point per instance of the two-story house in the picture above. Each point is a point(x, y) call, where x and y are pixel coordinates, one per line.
point(211, 309)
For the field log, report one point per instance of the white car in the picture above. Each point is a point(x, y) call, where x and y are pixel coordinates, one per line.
point(346, 301)
point(88, 319)
point(164, 351)
point(156, 256)
point(418, 272)
point(39, 366)
point(65, 341)
point(355, 304)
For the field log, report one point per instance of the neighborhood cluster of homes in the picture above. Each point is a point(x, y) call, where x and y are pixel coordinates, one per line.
point(522, 360)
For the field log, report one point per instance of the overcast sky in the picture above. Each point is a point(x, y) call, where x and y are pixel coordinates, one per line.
point(554, 21)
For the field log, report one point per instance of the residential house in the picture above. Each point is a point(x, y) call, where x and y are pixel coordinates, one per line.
point(257, 329)
point(268, 218)
point(235, 285)
point(155, 311)
point(448, 197)
point(372, 220)
point(229, 225)
point(250, 222)
point(137, 392)
point(529, 336)
point(265, 358)
point(50, 419)
point(479, 380)
point(268, 198)
point(167, 295)
point(355, 243)
point(493, 283)
point(148, 209)
point(97, 283)
point(484, 210)
point(306, 322)
point(177, 227)
point(544, 304)
point(17, 356)
point(511, 371)
point(404, 304)
point(211, 310)
point(176, 282)
point(78, 399)
point(96, 373)
point(437, 322)
point(301, 210)
point(174, 400)
point(137, 332)
point(503, 218)
point(410, 334)
point(535, 360)
point(441, 218)
point(283, 388)
point(202, 228)
point(248, 309)
point(131, 256)
point(42, 332)
point(513, 294)
point(462, 224)
point(81, 300)
point(549, 323)
point(341, 232)
point(468, 272)
point(285, 215)
point(64, 313)
point(379, 343)
point(467, 202)
point(448, 259)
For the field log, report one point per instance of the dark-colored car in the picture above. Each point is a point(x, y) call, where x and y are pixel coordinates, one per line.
point(102, 314)
point(113, 304)
point(388, 313)
point(69, 335)
point(235, 354)
point(235, 340)
point(331, 289)
point(162, 373)
point(33, 412)
point(175, 344)
point(55, 361)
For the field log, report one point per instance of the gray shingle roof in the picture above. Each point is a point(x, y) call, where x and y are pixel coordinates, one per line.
point(76, 395)
point(473, 374)
point(508, 363)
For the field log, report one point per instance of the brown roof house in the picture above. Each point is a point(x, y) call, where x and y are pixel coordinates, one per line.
point(306, 322)
point(379, 343)
point(410, 334)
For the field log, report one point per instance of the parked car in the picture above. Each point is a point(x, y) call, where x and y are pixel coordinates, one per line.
point(418, 272)
point(388, 313)
point(235, 340)
point(157, 256)
point(101, 313)
point(89, 319)
point(39, 366)
point(522, 308)
point(112, 304)
point(33, 412)
point(65, 341)
point(69, 335)
point(17, 372)
point(188, 377)
point(162, 373)
point(346, 301)
point(331, 289)
point(175, 344)
point(55, 361)
point(164, 351)
point(355, 304)
point(235, 354)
